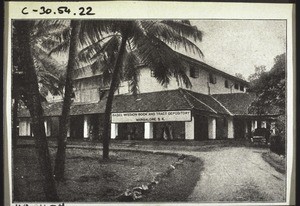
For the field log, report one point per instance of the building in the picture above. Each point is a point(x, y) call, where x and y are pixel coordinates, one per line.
point(216, 107)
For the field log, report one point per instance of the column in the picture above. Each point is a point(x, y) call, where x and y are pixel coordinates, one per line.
point(230, 128)
point(263, 124)
point(212, 128)
point(68, 128)
point(113, 130)
point(47, 128)
point(253, 125)
point(189, 129)
point(148, 130)
point(86, 126)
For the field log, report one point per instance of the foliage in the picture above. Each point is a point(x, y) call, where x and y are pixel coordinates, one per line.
point(269, 88)
point(149, 43)
point(259, 71)
point(239, 75)
point(49, 71)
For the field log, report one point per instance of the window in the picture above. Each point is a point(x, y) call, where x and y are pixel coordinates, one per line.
point(152, 73)
point(226, 84)
point(212, 79)
point(194, 73)
point(242, 88)
point(236, 86)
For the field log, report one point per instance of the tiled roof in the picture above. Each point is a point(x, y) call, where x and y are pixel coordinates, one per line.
point(236, 103)
point(212, 69)
point(154, 101)
point(207, 100)
point(179, 99)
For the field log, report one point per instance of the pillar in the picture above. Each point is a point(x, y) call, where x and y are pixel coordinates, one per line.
point(113, 130)
point(68, 128)
point(148, 130)
point(189, 129)
point(47, 128)
point(253, 125)
point(212, 128)
point(230, 128)
point(86, 126)
point(246, 127)
point(263, 124)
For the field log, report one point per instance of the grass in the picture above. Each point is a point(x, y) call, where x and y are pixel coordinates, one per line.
point(178, 185)
point(275, 161)
point(90, 179)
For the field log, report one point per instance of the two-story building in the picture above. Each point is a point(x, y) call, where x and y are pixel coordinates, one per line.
point(215, 107)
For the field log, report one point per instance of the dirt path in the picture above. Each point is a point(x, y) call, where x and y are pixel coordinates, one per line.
point(237, 174)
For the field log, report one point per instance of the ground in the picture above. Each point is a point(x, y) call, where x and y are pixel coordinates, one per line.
point(238, 174)
point(228, 171)
point(91, 179)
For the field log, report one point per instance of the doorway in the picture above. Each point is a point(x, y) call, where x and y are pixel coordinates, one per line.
point(201, 128)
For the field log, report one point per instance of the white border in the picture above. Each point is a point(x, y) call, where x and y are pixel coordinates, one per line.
point(156, 10)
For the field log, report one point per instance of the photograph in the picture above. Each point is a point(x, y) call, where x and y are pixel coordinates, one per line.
point(148, 109)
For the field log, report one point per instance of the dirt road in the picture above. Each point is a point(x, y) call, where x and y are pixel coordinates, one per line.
point(237, 174)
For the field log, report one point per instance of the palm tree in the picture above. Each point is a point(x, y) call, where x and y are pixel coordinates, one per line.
point(50, 78)
point(62, 139)
point(124, 43)
point(33, 103)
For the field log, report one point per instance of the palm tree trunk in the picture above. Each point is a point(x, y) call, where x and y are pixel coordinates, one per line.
point(63, 124)
point(23, 29)
point(15, 134)
point(113, 86)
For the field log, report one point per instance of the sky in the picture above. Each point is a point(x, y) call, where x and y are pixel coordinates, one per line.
point(237, 46)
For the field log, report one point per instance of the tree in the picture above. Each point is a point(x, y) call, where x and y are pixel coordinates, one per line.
point(62, 139)
point(259, 71)
point(270, 88)
point(149, 42)
point(33, 103)
point(49, 77)
point(239, 75)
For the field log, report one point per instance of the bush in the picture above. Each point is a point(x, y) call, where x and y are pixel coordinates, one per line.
point(277, 144)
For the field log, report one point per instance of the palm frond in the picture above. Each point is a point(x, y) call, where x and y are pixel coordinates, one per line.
point(132, 72)
point(171, 36)
point(163, 60)
point(60, 48)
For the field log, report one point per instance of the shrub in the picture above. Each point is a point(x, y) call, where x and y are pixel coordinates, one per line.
point(277, 144)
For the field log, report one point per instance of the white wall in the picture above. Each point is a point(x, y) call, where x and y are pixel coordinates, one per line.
point(212, 128)
point(24, 128)
point(230, 128)
point(148, 130)
point(199, 84)
point(189, 129)
point(113, 130)
point(150, 84)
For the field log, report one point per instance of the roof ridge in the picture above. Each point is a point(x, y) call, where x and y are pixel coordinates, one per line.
point(118, 95)
point(201, 102)
point(222, 105)
point(186, 99)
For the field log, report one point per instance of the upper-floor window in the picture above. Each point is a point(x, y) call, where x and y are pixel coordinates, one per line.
point(242, 88)
point(212, 79)
point(194, 73)
point(236, 86)
point(152, 73)
point(226, 84)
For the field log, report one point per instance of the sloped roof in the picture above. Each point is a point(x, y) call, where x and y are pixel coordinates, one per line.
point(154, 101)
point(236, 103)
point(212, 69)
point(208, 100)
point(179, 99)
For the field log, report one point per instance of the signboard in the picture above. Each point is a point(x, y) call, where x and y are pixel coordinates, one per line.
point(158, 116)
